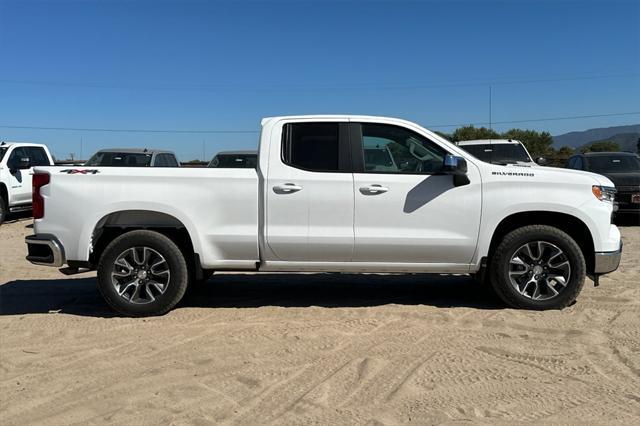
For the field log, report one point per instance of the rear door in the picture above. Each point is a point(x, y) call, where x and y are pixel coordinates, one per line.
point(309, 184)
point(406, 209)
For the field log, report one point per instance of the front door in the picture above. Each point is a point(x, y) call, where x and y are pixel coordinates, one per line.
point(19, 180)
point(309, 200)
point(406, 210)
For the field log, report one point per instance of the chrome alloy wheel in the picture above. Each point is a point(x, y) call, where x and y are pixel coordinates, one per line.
point(539, 270)
point(140, 274)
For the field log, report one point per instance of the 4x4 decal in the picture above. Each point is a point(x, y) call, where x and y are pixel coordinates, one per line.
point(80, 171)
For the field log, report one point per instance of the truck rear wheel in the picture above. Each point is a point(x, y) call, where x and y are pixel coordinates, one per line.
point(538, 267)
point(142, 273)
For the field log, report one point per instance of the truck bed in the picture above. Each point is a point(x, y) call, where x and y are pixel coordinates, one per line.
point(219, 208)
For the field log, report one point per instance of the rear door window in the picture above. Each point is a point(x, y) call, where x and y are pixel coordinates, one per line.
point(37, 156)
point(171, 160)
point(316, 147)
point(165, 160)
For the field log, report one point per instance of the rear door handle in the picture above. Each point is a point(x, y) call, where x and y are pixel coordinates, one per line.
point(286, 188)
point(373, 189)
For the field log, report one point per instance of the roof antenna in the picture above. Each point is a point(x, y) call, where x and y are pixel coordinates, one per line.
point(490, 130)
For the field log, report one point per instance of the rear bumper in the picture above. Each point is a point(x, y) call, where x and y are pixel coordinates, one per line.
point(607, 261)
point(45, 249)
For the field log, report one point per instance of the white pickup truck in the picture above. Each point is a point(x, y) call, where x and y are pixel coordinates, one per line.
point(16, 168)
point(314, 204)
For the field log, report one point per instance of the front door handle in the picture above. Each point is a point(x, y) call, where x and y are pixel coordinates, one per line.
point(373, 189)
point(286, 188)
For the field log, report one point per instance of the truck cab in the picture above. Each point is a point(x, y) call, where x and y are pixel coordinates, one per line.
point(17, 161)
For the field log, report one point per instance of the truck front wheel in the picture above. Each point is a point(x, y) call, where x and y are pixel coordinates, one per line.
point(538, 267)
point(142, 273)
point(4, 209)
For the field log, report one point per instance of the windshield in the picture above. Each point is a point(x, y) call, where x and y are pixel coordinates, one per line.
point(3, 151)
point(237, 161)
point(498, 153)
point(119, 159)
point(614, 164)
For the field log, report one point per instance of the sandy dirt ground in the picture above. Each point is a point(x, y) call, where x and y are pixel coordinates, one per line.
point(315, 349)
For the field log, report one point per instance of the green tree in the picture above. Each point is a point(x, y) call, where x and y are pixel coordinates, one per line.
point(602, 146)
point(468, 133)
point(559, 157)
point(565, 152)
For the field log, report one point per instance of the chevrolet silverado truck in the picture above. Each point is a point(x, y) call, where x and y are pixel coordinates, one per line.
point(17, 160)
point(315, 203)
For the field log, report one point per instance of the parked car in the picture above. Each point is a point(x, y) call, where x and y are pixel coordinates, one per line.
point(136, 157)
point(235, 160)
point(311, 205)
point(500, 151)
point(16, 168)
point(623, 168)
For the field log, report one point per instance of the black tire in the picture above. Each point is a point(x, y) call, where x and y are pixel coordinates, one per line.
point(174, 262)
point(4, 210)
point(501, 264)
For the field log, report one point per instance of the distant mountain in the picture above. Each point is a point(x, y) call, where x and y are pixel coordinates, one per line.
point(577, 139)
point(626, 141)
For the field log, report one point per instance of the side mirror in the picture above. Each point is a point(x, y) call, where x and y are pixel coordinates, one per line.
point(456, 166)
point(24, 163)
point(541, 161)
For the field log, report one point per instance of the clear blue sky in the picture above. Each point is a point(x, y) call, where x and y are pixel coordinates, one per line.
point(209, 65)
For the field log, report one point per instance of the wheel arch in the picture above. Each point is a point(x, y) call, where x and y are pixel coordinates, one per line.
point(572, 225)
point(119, 222)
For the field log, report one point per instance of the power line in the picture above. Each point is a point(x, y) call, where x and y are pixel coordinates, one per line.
point(91, 129)
point(310, 87)
point(247, 131)
point(534, 120)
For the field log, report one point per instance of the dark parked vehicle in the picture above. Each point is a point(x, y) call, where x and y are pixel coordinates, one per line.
point(623, 168)
point(136, 157)
point(235, 160)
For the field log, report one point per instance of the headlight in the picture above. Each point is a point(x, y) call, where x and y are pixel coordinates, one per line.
point(604, 193)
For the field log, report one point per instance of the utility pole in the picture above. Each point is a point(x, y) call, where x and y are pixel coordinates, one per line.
point(490, 107)
point(81, 157)
point(203, 150)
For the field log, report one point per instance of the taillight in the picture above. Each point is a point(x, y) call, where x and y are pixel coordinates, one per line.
point(39, 180)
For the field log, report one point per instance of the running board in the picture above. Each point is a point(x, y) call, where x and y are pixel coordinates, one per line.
point(19, 208)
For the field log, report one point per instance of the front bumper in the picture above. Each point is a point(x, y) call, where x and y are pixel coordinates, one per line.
point(607, 261)
point(45, 249)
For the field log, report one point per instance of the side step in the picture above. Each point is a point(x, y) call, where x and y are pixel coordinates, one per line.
point(23, 208)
